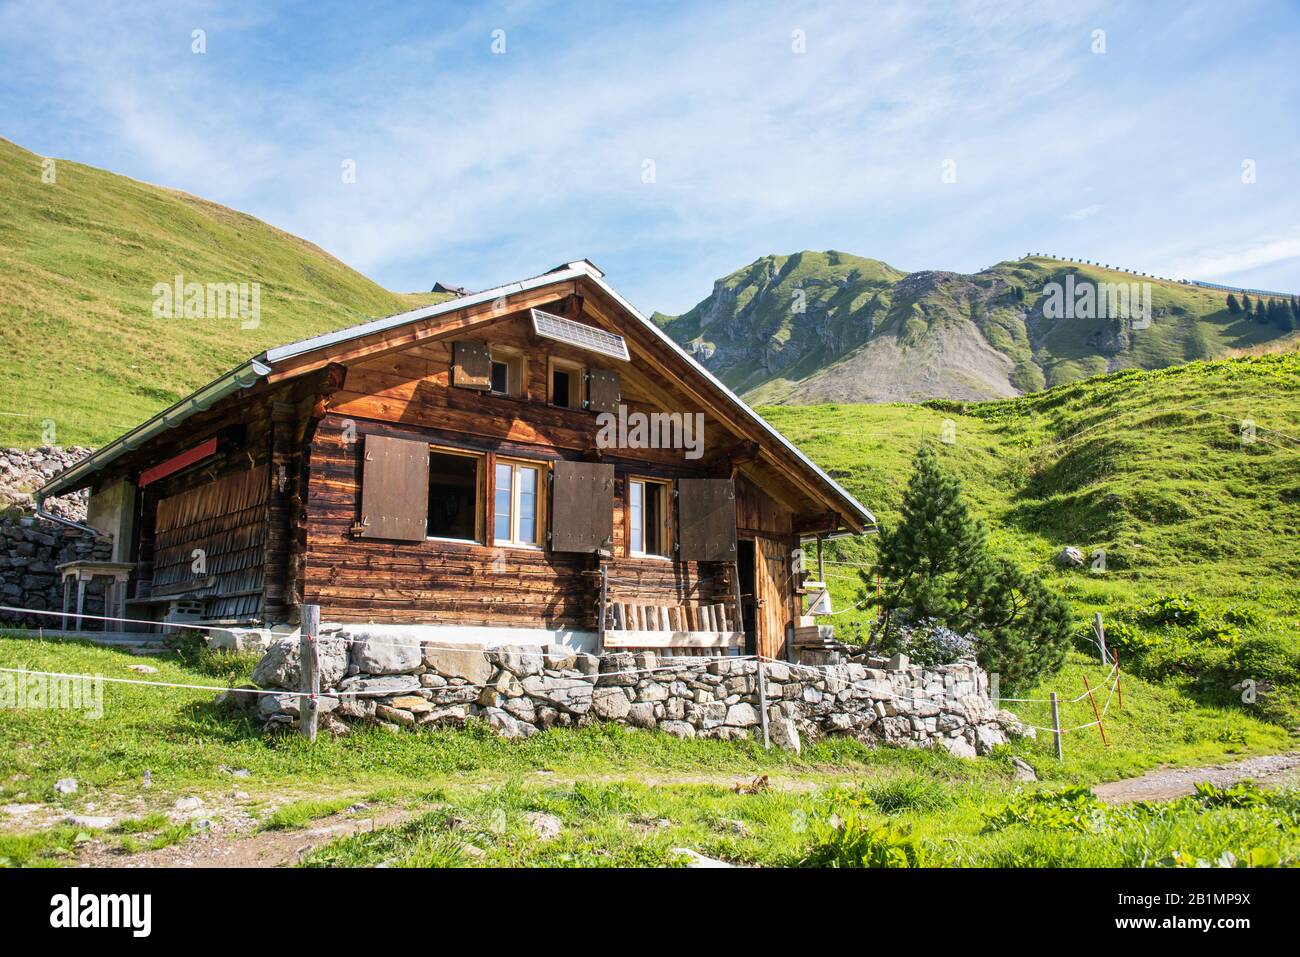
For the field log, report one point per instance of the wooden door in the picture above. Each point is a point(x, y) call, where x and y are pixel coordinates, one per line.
point(772, 595)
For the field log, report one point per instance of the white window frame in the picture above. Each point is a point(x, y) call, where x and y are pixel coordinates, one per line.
point(664, 532)
point(539, 506)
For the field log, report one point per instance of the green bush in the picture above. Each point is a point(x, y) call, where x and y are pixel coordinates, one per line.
point(1069, 809)
point(1267, 657)
point(857, 842)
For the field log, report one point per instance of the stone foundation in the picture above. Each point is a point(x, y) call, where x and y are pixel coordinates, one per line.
point(519, 690)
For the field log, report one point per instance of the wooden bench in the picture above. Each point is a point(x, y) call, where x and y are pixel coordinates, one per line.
point(690, 627)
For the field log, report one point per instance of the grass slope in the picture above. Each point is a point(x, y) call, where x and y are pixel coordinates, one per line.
point(79, 258)
point(1148, 467)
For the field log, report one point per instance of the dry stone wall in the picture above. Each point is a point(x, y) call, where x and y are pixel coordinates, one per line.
point(520, 690)
point(31, 548)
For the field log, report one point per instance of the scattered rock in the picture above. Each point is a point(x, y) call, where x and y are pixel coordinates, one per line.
point(545, 826)
point(1024, 771)
point(66, 785)
point(90, 822)
point(187, 804)
point(696, 859)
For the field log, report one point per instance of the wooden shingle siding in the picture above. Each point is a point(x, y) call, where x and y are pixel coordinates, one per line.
point(582, 509)
point(226, 519)
point(395, 489)
point(471, 365)
point(706, 510)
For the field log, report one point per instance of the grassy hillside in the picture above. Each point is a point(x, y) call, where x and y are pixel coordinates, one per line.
point(79, 258)
point(1149, 467)
point(817, 327)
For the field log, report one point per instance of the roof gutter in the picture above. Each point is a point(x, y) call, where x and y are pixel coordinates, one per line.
point(242, 377)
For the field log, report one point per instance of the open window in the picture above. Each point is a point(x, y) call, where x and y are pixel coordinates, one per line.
point(649, 518)
point(455, 479)
point(517, 503)
point(506, 376)
point(565, 382)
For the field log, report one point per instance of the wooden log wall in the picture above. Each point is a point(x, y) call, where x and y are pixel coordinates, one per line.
point(366, 580)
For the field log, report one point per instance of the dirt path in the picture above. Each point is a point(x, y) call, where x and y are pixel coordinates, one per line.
point(237, 846)
point(1167, 783)
point(259, 849)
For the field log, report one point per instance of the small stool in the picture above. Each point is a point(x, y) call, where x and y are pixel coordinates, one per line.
point(117, 573)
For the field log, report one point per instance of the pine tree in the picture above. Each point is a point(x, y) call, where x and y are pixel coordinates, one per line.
point(1274, 312)
point(1279, 312)
point(1261, 313)
point(1245, 304)
point(1234, 307)
point(935, 566)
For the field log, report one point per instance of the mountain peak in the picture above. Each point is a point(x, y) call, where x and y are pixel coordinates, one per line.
point(816, 326)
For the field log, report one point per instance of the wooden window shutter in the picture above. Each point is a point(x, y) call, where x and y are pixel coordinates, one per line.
point(582, 507)
point(602, 390)
point(706, 510)
point(471, 366)
point(395, 489)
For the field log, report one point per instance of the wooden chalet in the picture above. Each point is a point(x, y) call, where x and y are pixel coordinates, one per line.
point(443, 469)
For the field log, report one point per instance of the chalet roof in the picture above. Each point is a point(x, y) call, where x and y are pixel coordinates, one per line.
point(259, 367)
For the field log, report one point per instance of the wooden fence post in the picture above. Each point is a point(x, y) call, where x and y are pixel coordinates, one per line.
point(761, 675)
point(1100, 631)
point(1056, 727)
point(604, 607)
point(310, 656)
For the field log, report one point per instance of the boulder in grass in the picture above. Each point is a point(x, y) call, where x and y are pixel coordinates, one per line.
point(1069, 557)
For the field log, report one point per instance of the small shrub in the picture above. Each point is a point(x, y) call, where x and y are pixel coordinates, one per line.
point(1069, 809)
point(857, 842)
point(913, 792)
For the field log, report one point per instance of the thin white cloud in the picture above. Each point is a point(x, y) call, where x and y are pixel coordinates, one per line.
point(1084, 212)
point(1229, 261)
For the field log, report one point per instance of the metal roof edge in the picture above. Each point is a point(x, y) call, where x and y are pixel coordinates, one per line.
point(292, 349)
point(243, 376)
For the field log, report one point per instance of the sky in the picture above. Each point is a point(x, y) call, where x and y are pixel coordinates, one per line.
point(674, 143)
